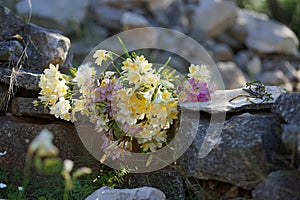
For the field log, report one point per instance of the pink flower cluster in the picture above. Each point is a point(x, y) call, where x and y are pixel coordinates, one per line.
point(195, 91)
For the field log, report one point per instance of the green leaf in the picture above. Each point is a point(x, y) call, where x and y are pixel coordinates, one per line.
point(73, 71)
point(124, 47)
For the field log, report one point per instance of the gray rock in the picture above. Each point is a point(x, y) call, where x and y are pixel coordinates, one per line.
point(158, 5)
point(287, 105)
point(16, 134)
point(205, 20)
point(237, 32)
point(92, 35)
point(280, 185)
point(242, 58)
point(55, 14)
point(287, 65)
point(167, 180)
point(124, 4)
point(229, 70)
point(10, 51)
point(107, 16)
point(22, 78)
point(169, 14)
point(254, 66)
point(226, 38)
point(143, 193)
point(45, 46)
point(222, 52)
point(220, 101)
point(275, 77)
point(263, 35)
point(291, 137)
point(9, 23)
point(24, 106)
point(240, 156)
point(132, 20)
point(3, 96)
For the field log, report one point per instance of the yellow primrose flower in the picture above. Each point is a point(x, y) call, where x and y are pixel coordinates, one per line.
point(124, 107)
point(126, 64)
point(151, 79)
point(66, 116)
point(160, 137)
point(166, 95)
point(138, 103)
point(148, 145)
point(199, 73)
point(52, 72)
point(61, 108)
point(133, 77)
point(140, 59)
point(53, 85)
point(102, 55)
point(133, 67)
point(84, 75)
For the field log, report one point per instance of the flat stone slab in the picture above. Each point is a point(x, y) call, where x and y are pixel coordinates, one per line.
point(220, 101)
point(24, 106)
point(23, 78)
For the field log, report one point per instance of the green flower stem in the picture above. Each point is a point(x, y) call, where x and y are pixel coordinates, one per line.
point(66, 192)
point(26, 174)
point(115, 67)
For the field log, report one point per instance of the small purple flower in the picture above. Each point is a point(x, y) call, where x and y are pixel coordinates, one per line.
point(195, 91)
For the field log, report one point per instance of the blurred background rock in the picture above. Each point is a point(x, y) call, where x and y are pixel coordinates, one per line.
point(248, 39)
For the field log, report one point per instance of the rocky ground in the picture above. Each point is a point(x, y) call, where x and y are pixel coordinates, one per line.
point(257, 156)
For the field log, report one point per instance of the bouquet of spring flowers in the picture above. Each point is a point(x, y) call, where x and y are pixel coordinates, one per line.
point(132, 107)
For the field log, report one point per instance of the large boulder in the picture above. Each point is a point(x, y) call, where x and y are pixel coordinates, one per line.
point(10, 24)
point(212, 17)
point(265, 35)
point(10, 51)
point(143, 193)
point(54, 14)
point(44, 46)
point(107, 16)
point(275, 77)
point(132, 20)
point(279, 185)
point(168, 180)
point(229, 70)
point(242, 154)
point(287, 105)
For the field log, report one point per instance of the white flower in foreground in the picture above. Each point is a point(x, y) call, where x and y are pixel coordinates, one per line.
point(68, 165)
point(20, 188)
point(3, 185)
point(102, 55)
point(43, 145)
